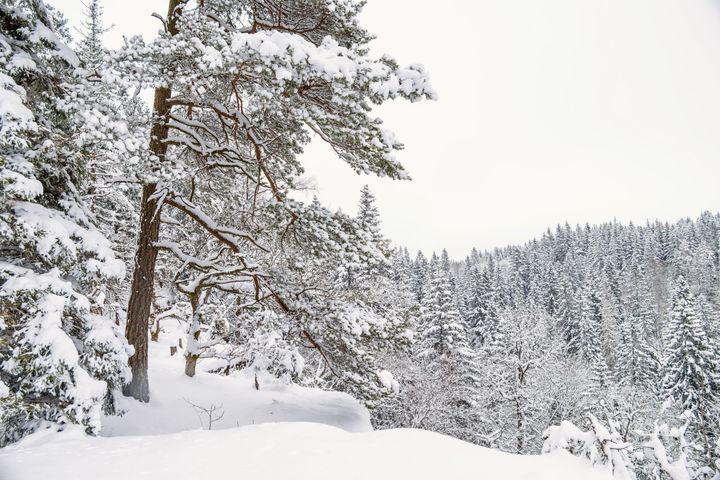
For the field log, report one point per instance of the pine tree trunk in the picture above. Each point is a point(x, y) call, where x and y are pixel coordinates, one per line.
point(141, 296)
point(143, 282)
point(519, 412)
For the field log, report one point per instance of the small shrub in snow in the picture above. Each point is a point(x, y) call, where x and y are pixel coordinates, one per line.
point(600, 445)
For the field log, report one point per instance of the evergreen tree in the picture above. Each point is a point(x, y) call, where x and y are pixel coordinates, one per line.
point(369, 219)
point(91, 48)
point(442, 330)
point(483, 314)
point(235, 102)
point(371, 236)
point(61, 357)
point(589, 340)
point(420, 274)
point(445, 261)
point(443, 348)
point(691, 367)
point(401, 267)
point(638, 362)
point(106, 118)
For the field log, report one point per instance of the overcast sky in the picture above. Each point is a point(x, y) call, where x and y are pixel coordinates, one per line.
point(549, 110)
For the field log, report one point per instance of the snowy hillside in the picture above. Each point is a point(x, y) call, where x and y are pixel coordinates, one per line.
point(275, 451)
point(169, 439)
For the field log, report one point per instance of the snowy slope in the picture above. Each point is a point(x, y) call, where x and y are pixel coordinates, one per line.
point(168, 439)
point(172, 394)
point(278, 451)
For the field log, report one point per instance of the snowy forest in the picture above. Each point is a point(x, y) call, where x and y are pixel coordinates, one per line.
point(152, 202)
point(618, 321)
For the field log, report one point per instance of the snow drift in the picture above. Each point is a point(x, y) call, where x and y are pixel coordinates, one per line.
point(275, 451)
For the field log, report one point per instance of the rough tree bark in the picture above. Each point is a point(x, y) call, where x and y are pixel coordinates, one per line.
point(141, 296)
point(143, 281)
point(192, 355)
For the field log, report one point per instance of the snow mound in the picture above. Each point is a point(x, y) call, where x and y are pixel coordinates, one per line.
point(273, 451)
point(177, 401)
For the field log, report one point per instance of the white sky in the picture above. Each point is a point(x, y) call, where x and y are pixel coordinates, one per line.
point(549, 110)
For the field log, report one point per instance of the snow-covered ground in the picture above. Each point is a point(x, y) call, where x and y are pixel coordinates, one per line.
point(173, 395)
point(279, 431)
point(278, 451)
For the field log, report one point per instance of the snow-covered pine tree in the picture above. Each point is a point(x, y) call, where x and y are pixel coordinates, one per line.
point(367, 236)
point(292, 277)
point(368, 218)
point(401, 268)
point(442, 346)
point(91, 49)
point(348, 327)
point(482, 307)
point(263, 84)
point(60, 356)
point(568, 304)
point(638, 362)
point(112, 128)
point(589, 339)
point(664, 244)
point(442, 330)
point(420, 274)
point(691, 367)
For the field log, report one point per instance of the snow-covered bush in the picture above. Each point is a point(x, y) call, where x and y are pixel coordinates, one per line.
point(660, 459)
point(60, 362)
point(669, 452)
point(268, 350)
point(663, 453)
point(600, 445)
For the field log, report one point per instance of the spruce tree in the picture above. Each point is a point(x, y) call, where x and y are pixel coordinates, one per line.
point(589, 340)
point(691, 367)
point(368, 218)
point(420, 276)
point(442, 330)
point(370, 235)
point(112, 128)
point(90, 47)
point(443, 348)
point(482, 309)
point(638, 362)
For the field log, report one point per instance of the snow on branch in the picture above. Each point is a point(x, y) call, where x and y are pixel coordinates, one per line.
point(226, 235)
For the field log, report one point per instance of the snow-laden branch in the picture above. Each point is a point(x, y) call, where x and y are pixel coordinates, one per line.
point(231, 237)
point(677, 469)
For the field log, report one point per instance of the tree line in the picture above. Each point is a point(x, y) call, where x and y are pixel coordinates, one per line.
point(616, 321)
